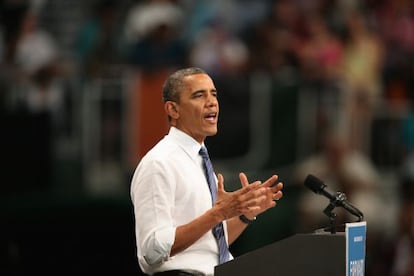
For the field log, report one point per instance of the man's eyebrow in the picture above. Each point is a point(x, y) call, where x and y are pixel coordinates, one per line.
point(203, 91)
point(198, 91)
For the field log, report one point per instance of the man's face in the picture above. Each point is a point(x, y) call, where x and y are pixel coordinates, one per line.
point(198, 108)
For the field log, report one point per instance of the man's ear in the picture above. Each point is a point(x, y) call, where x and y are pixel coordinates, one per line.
point(171, 108)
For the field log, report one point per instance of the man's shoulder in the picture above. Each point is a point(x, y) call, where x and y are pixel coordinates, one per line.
point(164, 149)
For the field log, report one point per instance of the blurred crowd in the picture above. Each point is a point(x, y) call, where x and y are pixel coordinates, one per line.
point(356, 58)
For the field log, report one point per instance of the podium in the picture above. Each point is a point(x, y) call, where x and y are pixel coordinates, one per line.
point(304, 254)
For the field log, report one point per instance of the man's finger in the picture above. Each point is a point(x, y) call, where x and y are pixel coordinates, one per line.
point(243, 179)
point(220, 183)
point(271, 181)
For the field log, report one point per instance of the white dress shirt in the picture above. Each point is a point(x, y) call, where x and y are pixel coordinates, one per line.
point(169, 189)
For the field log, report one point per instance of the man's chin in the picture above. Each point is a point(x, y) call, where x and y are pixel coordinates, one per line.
point(212, 132)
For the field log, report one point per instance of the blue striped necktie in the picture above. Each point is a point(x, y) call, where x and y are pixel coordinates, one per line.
point(218, 230)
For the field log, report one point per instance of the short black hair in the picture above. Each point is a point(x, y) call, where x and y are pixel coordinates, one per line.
point(174, 83)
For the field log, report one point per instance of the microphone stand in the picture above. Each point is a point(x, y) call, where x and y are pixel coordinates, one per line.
point(332, 217)
point(334, 202)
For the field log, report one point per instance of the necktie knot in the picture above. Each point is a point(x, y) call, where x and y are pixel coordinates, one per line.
point(203, 152)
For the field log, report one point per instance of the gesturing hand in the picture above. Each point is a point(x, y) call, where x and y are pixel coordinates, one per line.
point(250, 200)
point(273, 193)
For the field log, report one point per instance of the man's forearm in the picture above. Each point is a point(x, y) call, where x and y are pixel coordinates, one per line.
point(188, 234)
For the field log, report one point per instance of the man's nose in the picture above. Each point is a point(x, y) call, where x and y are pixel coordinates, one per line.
point(212, 100)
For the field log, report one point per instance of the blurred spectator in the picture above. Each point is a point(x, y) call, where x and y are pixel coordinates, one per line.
point(97, 45)
point(322, 52)
point(38, 57)
point(212, 34)
point(402, 263)
point(395, 254)
point(398, 256)
point(361, 71)
point(342, 169)
point(152, 35)
point(33, 99)
point(219, 51)
point(396, 23)
point(272, 40)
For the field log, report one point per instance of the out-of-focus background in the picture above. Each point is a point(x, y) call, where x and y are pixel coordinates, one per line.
point(322, 87)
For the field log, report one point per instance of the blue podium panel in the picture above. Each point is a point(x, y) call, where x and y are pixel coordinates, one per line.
point(355, 248)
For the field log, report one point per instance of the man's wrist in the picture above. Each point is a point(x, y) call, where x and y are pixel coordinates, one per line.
point(246, 220)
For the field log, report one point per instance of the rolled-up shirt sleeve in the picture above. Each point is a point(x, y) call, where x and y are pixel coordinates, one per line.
point(153, 194)
point(158, 246)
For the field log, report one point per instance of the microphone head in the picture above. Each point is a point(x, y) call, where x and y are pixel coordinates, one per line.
point(314, 183)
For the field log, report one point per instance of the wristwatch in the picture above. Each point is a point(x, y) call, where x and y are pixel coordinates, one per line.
point(246, 220)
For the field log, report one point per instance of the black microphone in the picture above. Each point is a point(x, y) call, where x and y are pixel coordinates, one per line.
point(339, 199)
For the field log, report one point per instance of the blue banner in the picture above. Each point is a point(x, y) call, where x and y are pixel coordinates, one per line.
point(355, 248)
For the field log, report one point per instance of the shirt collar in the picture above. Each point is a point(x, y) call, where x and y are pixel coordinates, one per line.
point(186, 142)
